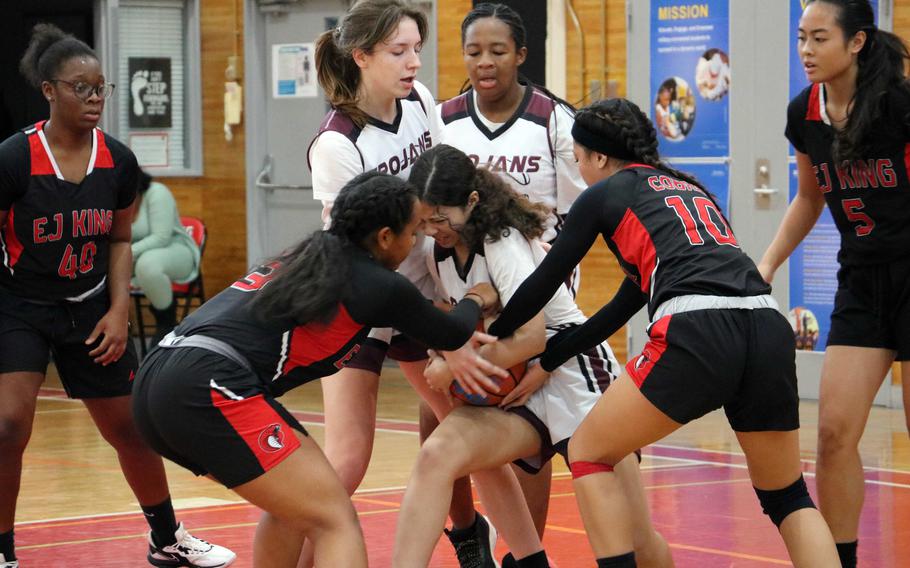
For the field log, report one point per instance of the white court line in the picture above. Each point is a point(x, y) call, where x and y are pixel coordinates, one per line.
point(742, 455)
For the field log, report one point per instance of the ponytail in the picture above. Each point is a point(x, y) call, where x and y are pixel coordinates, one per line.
point(48, 49)
point(882, 68)
point(367, 23)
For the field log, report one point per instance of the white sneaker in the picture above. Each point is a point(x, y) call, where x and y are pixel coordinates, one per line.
point(4, 563)
point(188, 551)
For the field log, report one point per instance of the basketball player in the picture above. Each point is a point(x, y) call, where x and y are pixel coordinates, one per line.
point(382, 119)
point(850, 129)
point(716, 337)
point(66, 190)
point(484, 231)
point(521, 132)
point(206, 397)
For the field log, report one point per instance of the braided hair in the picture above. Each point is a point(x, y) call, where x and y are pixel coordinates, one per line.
point(367, 23)
point(517, 30)
point(882, 68)
point(48, 49)
point(446, 176)
point(623, 124)
point(312, 277)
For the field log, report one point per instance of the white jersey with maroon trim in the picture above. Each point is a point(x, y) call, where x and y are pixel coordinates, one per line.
point(532, 151)
point(341, 150)
point(56, 242)
point(505, 264)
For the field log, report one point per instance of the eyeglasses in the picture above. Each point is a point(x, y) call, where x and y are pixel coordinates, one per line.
point(84, 91)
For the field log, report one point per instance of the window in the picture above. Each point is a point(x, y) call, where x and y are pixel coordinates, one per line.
point(156, 108)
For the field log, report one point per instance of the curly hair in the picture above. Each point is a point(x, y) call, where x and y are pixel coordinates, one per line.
point(446, 176)
point(313, 276)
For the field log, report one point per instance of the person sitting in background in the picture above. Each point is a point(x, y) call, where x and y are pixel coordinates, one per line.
point(163, 252)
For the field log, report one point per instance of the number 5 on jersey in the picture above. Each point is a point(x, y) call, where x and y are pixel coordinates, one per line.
point(712, 221)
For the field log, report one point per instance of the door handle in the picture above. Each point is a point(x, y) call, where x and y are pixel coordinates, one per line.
point(264, 178)
point(762, 178)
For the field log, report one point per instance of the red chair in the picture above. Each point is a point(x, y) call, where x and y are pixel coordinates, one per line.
point(184, 294)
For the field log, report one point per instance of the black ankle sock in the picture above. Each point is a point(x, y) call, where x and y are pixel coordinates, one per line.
point(536, 560)
point(465, 531)
point(622, 561)
point(7, 548)
point(847, 553)
point(161, 519)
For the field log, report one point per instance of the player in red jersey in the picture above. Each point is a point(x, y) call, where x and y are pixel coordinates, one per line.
point(716, 337)
point(206, 398)
point(851, 132)
point(66, 191)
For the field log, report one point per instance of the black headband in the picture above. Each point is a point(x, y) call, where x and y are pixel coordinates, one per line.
point(603, 144)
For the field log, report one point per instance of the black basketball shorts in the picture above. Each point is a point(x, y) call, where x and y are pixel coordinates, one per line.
point(738, 359)
point(872, 307)
point(208, 414)
point(30, 332)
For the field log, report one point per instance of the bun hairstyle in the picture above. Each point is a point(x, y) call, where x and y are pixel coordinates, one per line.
point(367, 23)
point(48, 49)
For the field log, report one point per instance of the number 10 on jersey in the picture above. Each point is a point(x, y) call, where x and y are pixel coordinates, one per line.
point(712, 221)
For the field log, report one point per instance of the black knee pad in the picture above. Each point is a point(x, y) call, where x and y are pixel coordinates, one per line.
point(779, 503)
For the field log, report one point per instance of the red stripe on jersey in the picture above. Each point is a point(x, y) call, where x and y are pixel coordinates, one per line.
point(315, 341)
point(264, 431)
point(636, 247)
point(640, 367)
point(13, 245)
point(907, 158)
point(41, 162)
point(814, 112)
point(639, 166)
point(103, 158)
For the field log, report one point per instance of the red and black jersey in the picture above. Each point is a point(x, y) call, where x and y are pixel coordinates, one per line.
point(668, 235)
point(55, 244)
point(285, 354)
point(869, 198)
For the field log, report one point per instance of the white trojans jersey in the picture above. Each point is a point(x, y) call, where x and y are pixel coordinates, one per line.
point(505, 264)
point(532, 151)
point(341, 150)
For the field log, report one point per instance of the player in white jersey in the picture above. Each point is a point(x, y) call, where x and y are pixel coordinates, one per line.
point(381, 119)
point(517, 130)
point(521, 132)
point(485, 232)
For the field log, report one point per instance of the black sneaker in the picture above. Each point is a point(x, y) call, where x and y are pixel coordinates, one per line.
point(474, 546)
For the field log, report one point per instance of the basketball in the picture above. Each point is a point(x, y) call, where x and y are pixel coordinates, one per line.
point(505, 384)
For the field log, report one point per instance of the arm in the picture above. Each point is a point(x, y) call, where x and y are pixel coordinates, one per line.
point(335, 162)
point(162, 209)
point(607, 321)
point(114, 326)
point(799, 219)
point(576, 238)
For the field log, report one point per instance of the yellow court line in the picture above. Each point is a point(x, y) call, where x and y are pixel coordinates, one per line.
point(374, 501)
point(670, 485)
point(693, 548)
point(113, 518)
point(143, 535)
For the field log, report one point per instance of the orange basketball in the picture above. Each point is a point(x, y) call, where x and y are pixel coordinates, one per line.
point(505, 385)
point(494, 397)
